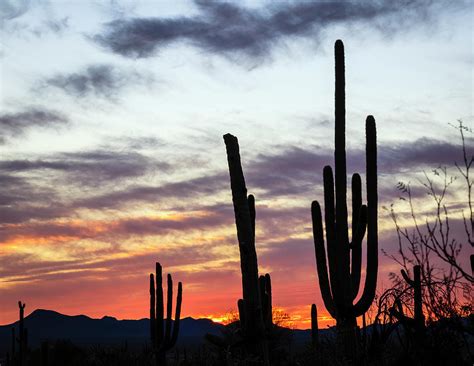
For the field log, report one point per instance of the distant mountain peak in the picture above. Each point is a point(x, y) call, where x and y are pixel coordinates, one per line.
point(108, 318)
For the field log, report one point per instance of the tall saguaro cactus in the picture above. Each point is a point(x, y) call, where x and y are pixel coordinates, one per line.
point(163, 336)
point(340, 285)
point(250, 307)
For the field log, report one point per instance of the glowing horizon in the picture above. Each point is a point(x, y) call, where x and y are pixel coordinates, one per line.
point(112, 151)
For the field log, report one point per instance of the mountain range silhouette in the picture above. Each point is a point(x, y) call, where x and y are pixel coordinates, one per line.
point(83, 330)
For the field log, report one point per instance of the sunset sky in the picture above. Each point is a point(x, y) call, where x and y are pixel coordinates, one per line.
point(112, 157)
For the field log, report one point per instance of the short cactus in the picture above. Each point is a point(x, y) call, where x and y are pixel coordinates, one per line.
point(314, 326)
point(163, 336)
point(22, 338)
point(417, 323)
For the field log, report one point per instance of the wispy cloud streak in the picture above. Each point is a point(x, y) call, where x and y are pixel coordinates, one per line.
point(18, 123)
point(231, 30)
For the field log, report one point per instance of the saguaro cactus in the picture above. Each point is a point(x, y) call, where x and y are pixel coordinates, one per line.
point(314, 326)
point(340, 286)
point(266, 299)
point(22, 336)
point(163, 338)
point(250, 307)
point(417, 296)
point(417, 323)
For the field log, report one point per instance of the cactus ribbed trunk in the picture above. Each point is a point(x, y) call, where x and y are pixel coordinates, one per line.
point(163, 338)
point(340, 282)
point(250, 307)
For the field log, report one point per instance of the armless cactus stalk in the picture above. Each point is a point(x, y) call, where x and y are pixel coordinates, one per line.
point(314, 326)
point(250, 307)
point(340, 285)
point(163, 336)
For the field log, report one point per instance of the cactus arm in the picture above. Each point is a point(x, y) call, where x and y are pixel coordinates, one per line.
point(253, 213)
point(356, 247)
point(268, 283)
point(321, 258)
point(356, 186)
point(329, 217)
point(356, 244)
point(177, 316)
point(152, 310)
point(169, 309)
point(372, 226)
point(159, 305)
point(397, 312)
point(406, 277)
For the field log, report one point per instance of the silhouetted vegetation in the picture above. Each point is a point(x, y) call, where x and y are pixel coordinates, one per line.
point(424, 318)
point(163, 334)
point(340, 286)
point(251, 306)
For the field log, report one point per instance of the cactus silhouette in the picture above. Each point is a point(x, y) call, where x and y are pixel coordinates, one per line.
point(314, 326)
point(251, 313)
point(22, 336)
point(163, 336)
point(340, 285)
point(416, 324)
point(265, 284)
point(417, 295)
